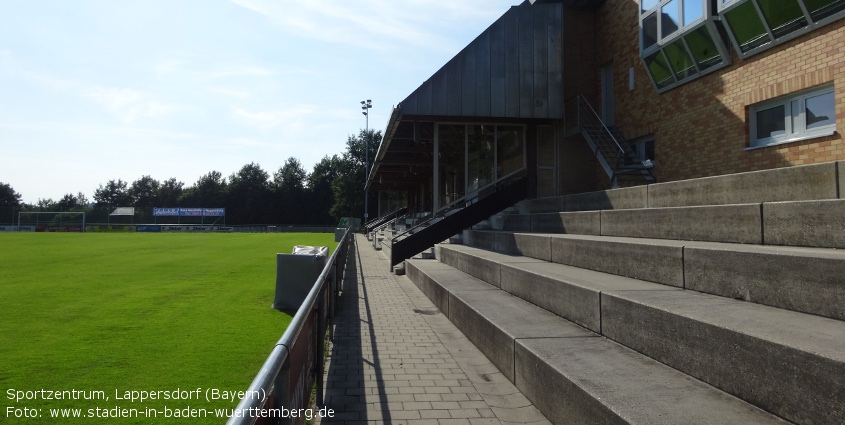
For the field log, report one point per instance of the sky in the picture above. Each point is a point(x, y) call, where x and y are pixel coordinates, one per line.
point(99, 90)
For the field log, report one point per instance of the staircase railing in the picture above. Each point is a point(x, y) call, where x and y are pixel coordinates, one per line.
point(459, 215)
point(379, 222)
point(613, 153)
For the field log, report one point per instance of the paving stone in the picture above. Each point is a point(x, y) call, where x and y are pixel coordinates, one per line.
point(390, 363)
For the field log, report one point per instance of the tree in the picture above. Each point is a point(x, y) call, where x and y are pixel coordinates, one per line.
point(209, 191)
point(144, 192)
point(113, 194)
point(47, 204)
point(319, 190)
point(291, 176)
point(71, 202)
point(248, 195)
point(289, 190)
point(8, 196)
point(348, 187)
point(169, 192)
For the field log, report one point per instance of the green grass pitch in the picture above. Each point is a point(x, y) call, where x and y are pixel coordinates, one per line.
point(126, 313)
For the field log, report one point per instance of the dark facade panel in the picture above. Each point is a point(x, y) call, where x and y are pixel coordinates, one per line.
point(513, 69)
point(454, 93)
point(469, 80)
point(526, 61)
point(555, 67)
point(483, 75)
point(511, 25)
point(541, 66)
point(497, 70)
point(439, 92)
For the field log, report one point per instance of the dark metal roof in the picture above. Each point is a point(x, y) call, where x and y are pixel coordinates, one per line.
point(513, 71)
point(574, 4)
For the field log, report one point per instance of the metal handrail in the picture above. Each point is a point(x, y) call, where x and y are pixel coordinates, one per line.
point(582, 99)
point(273, 373)
point(466, 200)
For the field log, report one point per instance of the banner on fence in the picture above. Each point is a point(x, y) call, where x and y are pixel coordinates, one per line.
point(110, 229)
point(189, 212)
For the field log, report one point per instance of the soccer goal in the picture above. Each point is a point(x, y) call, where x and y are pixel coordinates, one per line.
point(51, 221)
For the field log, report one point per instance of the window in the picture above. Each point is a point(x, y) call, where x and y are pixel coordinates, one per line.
point(756, 25)
point(679, 41)
point(796, 117)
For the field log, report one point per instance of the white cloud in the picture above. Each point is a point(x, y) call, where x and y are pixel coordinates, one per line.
point(243, 71)
point(265, 120)
point(128, 104)
point(238, 94)
point(379, 25)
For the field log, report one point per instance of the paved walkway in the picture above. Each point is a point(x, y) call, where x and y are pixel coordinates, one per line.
point(396, 360)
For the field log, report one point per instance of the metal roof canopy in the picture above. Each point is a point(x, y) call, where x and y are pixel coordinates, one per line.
point(511, 73)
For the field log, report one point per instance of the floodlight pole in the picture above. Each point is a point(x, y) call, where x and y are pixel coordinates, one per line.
point(366, 105)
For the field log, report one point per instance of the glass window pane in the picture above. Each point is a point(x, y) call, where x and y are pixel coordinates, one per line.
point(746, 26)
point(480, 168)
point(693, 11)
point(703, 48)
point(649, 34)
point(452, 148)
point(680, 60)
point(820, 9)
point(646, 5)
point(659, 69)
point(783, 16)
point(670, 18)
point(820, 110)
point(509, 150)
point(771, 122)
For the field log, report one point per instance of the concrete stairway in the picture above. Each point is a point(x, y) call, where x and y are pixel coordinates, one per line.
point(716, 300)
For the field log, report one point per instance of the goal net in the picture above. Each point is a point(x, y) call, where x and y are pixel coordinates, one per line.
point(51, 221)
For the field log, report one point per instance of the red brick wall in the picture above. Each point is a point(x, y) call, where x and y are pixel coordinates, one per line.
point(701, 127)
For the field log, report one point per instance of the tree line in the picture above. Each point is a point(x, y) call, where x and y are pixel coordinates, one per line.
point(334, 188)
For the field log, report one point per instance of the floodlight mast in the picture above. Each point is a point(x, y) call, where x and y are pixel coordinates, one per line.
point(366, 105)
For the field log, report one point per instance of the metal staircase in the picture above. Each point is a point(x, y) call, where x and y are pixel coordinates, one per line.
point(457, 216)
point(610, 148)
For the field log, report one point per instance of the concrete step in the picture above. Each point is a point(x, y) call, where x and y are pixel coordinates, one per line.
point(808, 280)
point(571, 374)
point(795, 223)
point(788, 363)
point(798, 183)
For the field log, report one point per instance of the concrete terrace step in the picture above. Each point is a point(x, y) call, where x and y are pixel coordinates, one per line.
point(798, 183)
point(571, 374)
point(795, 223)
point(788, 363)
point(808, 279)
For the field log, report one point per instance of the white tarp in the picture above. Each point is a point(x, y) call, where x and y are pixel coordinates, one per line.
point(123, 211)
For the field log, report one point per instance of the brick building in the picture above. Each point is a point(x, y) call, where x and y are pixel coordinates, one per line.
point(571, 96)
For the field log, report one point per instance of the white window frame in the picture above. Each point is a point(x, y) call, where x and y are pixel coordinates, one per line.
point(794, 119)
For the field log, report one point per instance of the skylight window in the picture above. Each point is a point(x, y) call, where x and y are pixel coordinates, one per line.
point(756, 25)
point(679, 42)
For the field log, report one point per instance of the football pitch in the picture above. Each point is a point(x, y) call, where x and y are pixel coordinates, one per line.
point(136, 328)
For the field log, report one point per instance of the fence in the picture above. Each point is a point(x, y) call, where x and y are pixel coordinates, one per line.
point(283, 385)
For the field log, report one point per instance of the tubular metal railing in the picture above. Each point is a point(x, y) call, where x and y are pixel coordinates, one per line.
point(285, 380)
point(449, 221)
point(610, 149)
point(382, 221)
